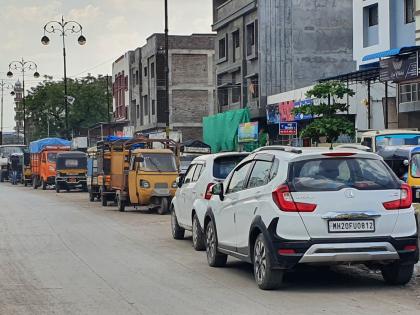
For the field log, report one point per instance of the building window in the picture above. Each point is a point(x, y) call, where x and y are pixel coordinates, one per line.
point(223, 96)
point(409, 11)
point(236, 93)
point(152, 70)
point(146, 105)
point(236, 45)
point(254, 87)
point(145, 71)
point(251, 39)
point(137, 77)
point(153, 107)
point(408, 93)
point(373, 15)
point(138, 111)
point(223, 49)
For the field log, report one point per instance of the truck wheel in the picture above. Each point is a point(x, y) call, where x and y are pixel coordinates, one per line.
point(43, 184)
point(120, 203)
point(177, 231)
point(397, 274)
point(1, 177)
point(91, 197)
point(57, 188)
point(34, 183)
point(25, 182)
point(163, 207)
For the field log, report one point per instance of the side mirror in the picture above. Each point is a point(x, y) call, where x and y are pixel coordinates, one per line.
point(406, 162)
point(180, 181)
point(217, 190)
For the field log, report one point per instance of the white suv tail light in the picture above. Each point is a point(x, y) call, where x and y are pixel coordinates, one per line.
point(404, 202)
point(284, 200)
point(207, 194)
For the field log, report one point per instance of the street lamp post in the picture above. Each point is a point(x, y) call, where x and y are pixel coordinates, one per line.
point(23, 66)
point(4, 86)
point(167, 69)
point(63, 29)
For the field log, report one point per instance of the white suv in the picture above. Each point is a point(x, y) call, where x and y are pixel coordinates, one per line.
point(281, 207)
point(202, 174)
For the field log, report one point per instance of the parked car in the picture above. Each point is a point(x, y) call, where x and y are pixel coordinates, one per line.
point(194, 190)
point(283, 207)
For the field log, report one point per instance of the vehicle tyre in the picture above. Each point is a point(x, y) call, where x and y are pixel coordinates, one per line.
point(120, 203)
point(177, 231)
point(214, 258)
point(199, 243)
point(43, 184)
point(1, 177)
point(91, 197)
point(266, 277)
point(57, 188)
point(34, 183)
point(163, 207)
point(397, 274)
point(104, 200)
point(25, 182)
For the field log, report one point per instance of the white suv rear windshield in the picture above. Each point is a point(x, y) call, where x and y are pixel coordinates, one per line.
point(332, 174)
point(225, 164)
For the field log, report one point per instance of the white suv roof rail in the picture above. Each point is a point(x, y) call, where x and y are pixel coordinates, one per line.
point(280, 148)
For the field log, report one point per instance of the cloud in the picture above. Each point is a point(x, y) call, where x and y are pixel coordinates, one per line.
point(88, 12)
point(30, 13)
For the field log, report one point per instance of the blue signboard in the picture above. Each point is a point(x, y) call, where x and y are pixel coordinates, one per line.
point(302, 103)
point(288, 129)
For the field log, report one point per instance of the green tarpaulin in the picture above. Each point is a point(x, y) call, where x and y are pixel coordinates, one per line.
point(221, 131)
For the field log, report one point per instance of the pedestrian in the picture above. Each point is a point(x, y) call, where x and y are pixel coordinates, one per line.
point(14, 168)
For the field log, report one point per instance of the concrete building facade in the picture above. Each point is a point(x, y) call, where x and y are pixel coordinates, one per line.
point(191, 84)
point(120, 87)
point(381, 25)
point(265, 47)
point(18, 107)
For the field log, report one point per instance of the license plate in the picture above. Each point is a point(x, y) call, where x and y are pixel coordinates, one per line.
point(351, 226)
point(72, 180)
point(418, 193)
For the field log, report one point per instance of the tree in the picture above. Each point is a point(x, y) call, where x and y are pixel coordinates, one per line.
point(45, 106)
point(327, 122)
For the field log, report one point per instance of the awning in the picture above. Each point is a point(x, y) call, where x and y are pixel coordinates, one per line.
point(390, 53)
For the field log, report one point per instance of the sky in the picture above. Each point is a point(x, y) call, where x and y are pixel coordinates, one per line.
point(111, 28)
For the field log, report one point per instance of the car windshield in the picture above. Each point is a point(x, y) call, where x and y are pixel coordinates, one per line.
point(7, 151)
point(415, 165)
point(71, 163)
point(332, 174)
point(52, 157)
point(224, 165)
point(158, 162)
point(397, 140)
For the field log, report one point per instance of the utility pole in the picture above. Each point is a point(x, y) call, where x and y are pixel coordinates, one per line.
point(166, 70)
point(4, 86)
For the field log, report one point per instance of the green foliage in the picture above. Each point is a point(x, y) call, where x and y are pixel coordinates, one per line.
point(45, 104)
point(329, 123)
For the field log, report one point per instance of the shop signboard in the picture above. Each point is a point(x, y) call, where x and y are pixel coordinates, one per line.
point(303, 103)
point(399, 68)
point(273, 114)
point(248, 132)
point(288, 129)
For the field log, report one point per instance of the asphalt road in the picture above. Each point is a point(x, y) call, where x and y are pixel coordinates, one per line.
point(60, 254)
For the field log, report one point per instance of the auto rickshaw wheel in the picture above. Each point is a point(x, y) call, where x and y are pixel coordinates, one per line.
point(164, 206)
point(91, 197)
point(43, 184)
point(120, 203)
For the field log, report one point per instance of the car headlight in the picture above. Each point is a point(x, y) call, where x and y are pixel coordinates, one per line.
point(51, 168)
point(144, 184)
point(174, 185)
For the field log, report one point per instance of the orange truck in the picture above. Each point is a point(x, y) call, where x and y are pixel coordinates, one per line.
point(43, 160)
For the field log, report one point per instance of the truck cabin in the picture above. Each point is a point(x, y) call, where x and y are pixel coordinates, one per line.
point(71, 161)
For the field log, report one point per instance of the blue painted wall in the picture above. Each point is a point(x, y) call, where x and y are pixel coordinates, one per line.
point(402, 34)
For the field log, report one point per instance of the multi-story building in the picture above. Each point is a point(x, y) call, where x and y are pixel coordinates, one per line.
point(18, 107)
point(191, 84)
point(265, 47)
point(382, 25)
point(120, 87)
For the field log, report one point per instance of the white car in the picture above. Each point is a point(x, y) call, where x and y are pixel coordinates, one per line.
point(281, 207)
point(194, 188)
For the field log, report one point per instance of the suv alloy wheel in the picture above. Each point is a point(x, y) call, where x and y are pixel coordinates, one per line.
point(266, 277)
point(177, 231)
point(197, 235)
point(214, 258)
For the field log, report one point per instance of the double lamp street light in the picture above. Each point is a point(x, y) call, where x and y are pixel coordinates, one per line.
point(64, 28)
point(4, 86)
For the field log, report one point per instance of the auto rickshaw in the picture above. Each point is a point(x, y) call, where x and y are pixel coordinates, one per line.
point(143, 176)
point(71, 170)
